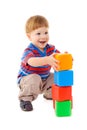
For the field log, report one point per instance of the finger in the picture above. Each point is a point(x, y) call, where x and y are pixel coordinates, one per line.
point(56, 66)
point(54, 54)
point(57, 61)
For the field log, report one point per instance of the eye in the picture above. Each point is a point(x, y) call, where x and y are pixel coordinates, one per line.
point(46, 32)
point(38, 33)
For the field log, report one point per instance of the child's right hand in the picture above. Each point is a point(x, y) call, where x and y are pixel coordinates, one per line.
point(53, 62)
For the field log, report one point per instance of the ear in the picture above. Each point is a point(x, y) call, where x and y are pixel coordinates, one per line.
point(28, 35)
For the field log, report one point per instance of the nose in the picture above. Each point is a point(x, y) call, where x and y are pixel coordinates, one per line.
point(43, 36)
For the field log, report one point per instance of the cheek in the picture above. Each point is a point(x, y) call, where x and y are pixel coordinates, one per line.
point(34, 38)
point(48, 38)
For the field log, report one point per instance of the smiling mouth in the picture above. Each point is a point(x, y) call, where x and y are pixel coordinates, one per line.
point(42, 42)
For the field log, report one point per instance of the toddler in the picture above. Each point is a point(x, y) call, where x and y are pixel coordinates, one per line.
point(34, 76)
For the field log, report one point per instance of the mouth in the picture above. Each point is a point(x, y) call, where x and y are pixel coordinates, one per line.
point(42, 42)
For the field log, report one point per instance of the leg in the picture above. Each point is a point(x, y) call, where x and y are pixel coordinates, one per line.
point(30, 87)
point(48, 86)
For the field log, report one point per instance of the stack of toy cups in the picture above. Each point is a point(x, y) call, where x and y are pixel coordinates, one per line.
point(62, 87)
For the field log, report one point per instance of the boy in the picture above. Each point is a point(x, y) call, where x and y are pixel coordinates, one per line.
point(34, 76)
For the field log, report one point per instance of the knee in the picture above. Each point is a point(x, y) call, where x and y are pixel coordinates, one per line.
point(35, 78)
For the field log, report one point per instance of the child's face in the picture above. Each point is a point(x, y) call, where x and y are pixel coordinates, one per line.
point(39, 37)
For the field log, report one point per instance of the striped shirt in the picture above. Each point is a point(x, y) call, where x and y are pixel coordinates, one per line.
point(33, 51)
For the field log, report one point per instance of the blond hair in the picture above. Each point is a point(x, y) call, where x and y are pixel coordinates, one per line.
point(36, 22)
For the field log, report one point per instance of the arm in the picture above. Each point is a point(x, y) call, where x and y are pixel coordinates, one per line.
point(37, 61)
point(40, 61)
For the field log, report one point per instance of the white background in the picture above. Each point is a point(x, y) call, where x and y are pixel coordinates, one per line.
point(68, 32)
